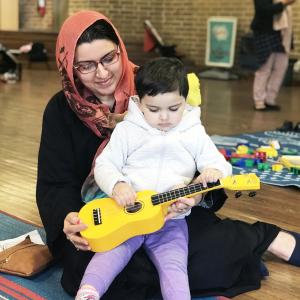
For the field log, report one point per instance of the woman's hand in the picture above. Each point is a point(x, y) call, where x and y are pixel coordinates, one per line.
point(72, 227)
point(181, 206)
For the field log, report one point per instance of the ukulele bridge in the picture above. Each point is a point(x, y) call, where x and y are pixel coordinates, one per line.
point(97, 216)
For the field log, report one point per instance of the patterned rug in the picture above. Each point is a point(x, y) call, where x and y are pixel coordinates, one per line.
point(289, 144)
point(45, 285)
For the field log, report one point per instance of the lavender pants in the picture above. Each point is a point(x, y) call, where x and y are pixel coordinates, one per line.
point(168, 250)
point(268, 79)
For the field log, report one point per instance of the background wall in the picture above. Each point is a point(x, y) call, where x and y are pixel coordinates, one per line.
point(31, 20)
point(9, 13)
point(179, 22)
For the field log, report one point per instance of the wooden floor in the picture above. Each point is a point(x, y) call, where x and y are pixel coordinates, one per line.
point(226, 109)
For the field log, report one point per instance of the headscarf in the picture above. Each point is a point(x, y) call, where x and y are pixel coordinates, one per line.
point(94, 115)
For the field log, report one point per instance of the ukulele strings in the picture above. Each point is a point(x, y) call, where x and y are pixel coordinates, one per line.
point(161, 198)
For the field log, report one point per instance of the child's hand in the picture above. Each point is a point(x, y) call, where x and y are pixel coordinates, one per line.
point(209, 175)
point(124, 194)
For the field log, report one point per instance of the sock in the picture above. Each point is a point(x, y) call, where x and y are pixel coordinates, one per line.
point(87, 293)
point(295, 257)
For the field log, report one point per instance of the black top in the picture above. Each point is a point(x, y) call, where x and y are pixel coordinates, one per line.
point(224, 255)
point(264, 12)
point(266, 40)
point(66, 154)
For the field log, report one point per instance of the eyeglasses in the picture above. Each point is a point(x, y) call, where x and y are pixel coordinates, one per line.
point(89, 66)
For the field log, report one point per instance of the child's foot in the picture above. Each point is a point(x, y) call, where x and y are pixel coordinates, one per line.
point(87, 292)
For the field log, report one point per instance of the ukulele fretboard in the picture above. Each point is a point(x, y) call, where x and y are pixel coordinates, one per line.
point(186, 191)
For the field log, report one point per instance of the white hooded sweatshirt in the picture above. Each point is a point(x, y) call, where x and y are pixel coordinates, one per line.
point(150, 159)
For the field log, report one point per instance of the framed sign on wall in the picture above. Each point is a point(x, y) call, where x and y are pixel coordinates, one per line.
point(220, 44)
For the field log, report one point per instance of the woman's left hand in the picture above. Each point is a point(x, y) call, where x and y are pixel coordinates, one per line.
point(72, 228)
point(181, 206)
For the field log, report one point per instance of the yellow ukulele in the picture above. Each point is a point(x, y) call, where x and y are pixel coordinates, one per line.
point(109, 224)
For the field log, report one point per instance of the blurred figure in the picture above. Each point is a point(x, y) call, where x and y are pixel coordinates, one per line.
point(272, 27)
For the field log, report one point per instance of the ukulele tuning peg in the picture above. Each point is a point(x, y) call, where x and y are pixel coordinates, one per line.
point(252, 194)
point(238, 194)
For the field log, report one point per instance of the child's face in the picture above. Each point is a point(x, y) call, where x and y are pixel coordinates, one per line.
point(163, 111)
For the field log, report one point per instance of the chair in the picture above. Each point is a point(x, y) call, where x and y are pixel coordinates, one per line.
point(156, 41)
point(38, 53)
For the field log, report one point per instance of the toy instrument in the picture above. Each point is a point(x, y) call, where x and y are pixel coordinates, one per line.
point(109, 224)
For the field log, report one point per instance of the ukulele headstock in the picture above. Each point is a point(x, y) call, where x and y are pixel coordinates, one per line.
point(241, 182)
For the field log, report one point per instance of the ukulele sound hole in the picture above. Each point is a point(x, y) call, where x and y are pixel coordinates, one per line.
point(133, 208)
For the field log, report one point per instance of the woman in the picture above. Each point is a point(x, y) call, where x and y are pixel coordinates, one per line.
point(272, 28)
point(224, 256)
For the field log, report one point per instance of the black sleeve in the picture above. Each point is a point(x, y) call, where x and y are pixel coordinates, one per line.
point(265, 8)
point(65, 156)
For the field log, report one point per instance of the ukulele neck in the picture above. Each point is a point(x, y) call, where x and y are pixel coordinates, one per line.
point(187, 191)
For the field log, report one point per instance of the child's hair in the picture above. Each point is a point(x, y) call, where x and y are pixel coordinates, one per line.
point(161, 75)
point(100, 30)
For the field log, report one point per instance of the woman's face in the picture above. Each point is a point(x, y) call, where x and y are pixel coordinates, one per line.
point(103, 81)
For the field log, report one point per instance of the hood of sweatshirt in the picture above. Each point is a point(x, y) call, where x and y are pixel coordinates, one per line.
point(190, 118)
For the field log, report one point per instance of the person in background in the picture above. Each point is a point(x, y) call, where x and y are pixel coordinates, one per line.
point(98, 79)
point(272, 28)
point(159, 145)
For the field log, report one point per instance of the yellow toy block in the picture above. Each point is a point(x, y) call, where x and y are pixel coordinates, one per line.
point(194, 95)
point(242, 149)
point(270, 151)
point(277, 167)
point(275, 144)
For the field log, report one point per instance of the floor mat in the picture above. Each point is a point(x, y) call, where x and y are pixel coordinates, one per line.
point(45, 285)
point(289, 142)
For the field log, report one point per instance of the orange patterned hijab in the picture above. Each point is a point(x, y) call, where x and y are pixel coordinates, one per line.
point(94, 115)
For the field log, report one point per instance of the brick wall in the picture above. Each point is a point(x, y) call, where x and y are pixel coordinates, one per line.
point(179, 22)
point(31, 20)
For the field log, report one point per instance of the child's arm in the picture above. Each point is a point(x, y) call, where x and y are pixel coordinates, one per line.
point(109, 164)
point(211, 164)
